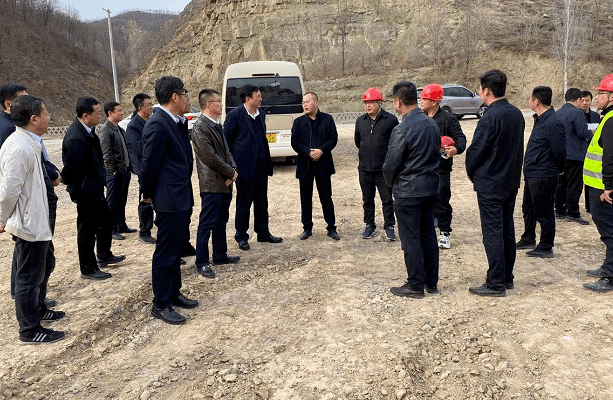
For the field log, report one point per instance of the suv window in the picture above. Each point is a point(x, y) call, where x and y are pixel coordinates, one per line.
point(280, 95)
point(462, 92)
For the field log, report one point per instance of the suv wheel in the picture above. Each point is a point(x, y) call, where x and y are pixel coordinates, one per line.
point(481, 110)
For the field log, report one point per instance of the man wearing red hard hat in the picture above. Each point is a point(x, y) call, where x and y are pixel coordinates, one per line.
point(372, 136)
point(449, 127)
point(598, 177)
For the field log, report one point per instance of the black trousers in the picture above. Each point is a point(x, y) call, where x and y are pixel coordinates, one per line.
point(252, 191)
point(145, 213)
point(166, 261)
point(116, 197)
point(442, 209)
point(370, 183)
point(324, 189)
point(418, 239)
point(29, 278)
point(214, 216)
point(602, 215)
point(496, 210)
point(93, 229)
point(569, 188)
point(538, 206)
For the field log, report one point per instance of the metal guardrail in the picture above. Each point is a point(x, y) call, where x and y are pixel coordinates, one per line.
point(56, 130)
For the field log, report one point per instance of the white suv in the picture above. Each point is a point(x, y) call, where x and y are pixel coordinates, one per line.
point(460, 101)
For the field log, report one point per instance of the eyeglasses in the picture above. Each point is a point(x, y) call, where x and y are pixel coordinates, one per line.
point(214, 101)
point(184, 94)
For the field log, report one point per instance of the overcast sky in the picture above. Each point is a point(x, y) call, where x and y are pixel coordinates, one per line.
point(91, 10)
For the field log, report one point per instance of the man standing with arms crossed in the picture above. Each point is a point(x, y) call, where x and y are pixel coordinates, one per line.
point(543, 162)
point(448, 125)
point(143, 107)
point(493, 164)
point(314, 137)
point(372, 136)
point(166, 172)
point(216, 174)
point(598, 176)
point(410, 167)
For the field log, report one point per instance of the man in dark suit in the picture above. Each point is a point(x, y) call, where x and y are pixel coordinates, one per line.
point(8, 93)
point(591, 117)
point(166, 170)
point(245, 130)
point(313, 138)
point(143, 107)
point(83, 174)
point(117, 163)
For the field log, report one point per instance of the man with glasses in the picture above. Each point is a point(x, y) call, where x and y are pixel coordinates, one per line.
point(166, 170)
point(84, 175)
point(143, 108)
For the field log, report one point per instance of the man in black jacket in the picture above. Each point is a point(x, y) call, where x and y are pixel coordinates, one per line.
point(410, 168)
point(493, 164)
point(143, 107)
point(570, 186)
point(543, 162)
point(8, 93)
point(372, 136)
point(448, 125)
point(591, 117)
point(117, 163)
point(83, 174)
point(245, 130)
point(313, 138)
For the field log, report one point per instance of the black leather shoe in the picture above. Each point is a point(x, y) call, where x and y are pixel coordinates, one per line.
point(205, 270)
point(127, 230)
point(601, 285)
point(596, 273)
point(578, 220)
point(483, 290)
point(118, 236)
point(96, 275)
point(226, 259)
point(432, 289)
point(525, 244)
point(539, 252)
point(190, 251)
point(269, 238)
point(103, 262)
point(334, 235)
point(243, 245)
point(147, 239)
point(406, 291)
point(50, 303)
point(305, 235)
point(184, 302)
point(509, 285)
point(168, 315)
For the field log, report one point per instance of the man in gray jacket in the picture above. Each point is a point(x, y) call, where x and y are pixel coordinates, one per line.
point(216, 173)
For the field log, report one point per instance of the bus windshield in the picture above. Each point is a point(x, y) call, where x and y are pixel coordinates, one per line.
point(280, 95)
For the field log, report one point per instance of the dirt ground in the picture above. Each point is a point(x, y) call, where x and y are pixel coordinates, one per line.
point(315, 319)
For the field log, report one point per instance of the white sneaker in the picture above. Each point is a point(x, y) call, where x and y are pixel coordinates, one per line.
point(443, 241)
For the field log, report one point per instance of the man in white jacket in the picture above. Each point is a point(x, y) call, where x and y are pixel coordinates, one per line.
point(24, 213)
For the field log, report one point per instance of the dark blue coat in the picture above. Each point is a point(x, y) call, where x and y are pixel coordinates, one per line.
point(577, 136)
point(167, 164)
point(6, 126)
point(134, 142)
point(244, 143)
point(546, 150)
point(494, 158)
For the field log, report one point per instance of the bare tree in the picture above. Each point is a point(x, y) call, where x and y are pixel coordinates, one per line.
point(569, 34)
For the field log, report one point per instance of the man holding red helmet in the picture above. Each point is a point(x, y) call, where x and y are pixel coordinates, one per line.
point(449, 126)
point(372, 136)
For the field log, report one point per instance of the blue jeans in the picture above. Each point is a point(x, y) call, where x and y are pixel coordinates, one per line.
point(214, 216)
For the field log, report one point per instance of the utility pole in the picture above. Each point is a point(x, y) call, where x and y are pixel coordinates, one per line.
point(112, 56)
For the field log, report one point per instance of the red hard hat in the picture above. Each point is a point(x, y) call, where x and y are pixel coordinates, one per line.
point(606, 83)
point(446, 140)
point(372, 94)
point(432, 92)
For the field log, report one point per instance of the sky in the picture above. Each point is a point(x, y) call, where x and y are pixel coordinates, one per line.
point(91, 10)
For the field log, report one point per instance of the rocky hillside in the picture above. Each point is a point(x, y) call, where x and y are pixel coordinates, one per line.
point(345, 46)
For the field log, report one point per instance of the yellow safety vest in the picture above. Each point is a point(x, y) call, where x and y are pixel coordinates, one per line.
point(592, 166)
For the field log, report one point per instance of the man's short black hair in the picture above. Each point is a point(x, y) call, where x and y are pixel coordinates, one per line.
point(315, 96)
point(85, 105)
point(139, 100)
point(585, 93)
point(247, 91)
point(206, 95)
point(543, 94)
point(9, 91)
point(166, 86)
point(494, 80)
point(406, 92)
point(23, 107)
point(572, 94)
point(110, 107)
